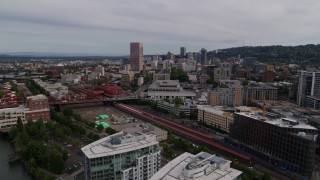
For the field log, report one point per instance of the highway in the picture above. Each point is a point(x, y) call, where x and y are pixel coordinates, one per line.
point(180, 129)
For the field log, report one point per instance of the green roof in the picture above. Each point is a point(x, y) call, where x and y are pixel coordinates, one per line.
point(104, 124)
point(102, 116)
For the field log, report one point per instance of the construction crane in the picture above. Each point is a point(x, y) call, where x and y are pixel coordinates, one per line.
point(264, 106)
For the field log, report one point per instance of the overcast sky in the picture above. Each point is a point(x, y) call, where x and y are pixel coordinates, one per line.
point(108, 26)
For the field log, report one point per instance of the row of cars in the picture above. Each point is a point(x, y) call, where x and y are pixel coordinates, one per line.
point(73, 167)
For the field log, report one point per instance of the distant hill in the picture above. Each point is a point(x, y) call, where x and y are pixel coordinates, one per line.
point(48, 54)
point(277, 53)
point(4, 55)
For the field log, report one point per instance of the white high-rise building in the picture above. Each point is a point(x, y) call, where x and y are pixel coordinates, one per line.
point(308, 94)
point(122, 156)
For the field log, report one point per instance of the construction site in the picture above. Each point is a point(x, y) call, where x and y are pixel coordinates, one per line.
point(116, 119)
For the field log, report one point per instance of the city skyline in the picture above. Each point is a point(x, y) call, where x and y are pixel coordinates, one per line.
point(98, 27)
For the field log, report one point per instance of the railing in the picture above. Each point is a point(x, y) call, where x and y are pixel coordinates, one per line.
point(93, 100)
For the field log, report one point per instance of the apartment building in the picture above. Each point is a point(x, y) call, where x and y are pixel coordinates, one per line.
point(126, 156)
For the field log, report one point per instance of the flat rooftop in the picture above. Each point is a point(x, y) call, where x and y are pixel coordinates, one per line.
point(20, 108)
point(195, 165)
point(117, 144)
point(144, 128)
point(172, 93)
point(219, 110)
point(225, 111)
point(165, 83)
point(281, 122)
point(38, 97)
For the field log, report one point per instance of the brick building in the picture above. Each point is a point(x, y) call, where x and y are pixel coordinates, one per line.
point(38, 108)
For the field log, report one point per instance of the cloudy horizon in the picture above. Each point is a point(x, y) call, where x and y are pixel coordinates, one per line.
point(108, 26)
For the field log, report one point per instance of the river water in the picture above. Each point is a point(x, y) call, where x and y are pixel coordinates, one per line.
point(12, 171)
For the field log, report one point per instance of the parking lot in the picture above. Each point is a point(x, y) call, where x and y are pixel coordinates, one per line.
point(75, 158)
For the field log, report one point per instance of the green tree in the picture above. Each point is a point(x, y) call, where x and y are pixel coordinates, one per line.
point(100, 127)
point(55, 161)
point(68, 112)
point(19, 124)
point(13, 132)
point(32, 128)
point(147, 78)
point(77, 117)
point(244, 176)
point(179, 74)
point(110, 131)
point(265, 177)
point(168, 151)
point(96, 137)
point(65, 155)
point(245, 82)
point(193, 115)
point(215, 84)
point(182, 115)
point(178, 101)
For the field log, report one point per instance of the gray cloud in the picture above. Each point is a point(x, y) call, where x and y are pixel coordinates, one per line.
point(107, 26)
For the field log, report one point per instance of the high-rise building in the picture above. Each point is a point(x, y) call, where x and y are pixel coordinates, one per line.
point(308, 94)
point(122, 156)
point(222, 71)
point(288, 143)
point(170, 56)
point(126, 78)
point(258, 91)
point(202, 166)
point(204, 57)
point(230, 95)
point(155, 57)
point(183, 52)
point(136, 56)
point(99, 70)
point(268, 74)
point(190, 55)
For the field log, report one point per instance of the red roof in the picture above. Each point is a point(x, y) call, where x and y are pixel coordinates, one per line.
point(99, 92)
point(111, 89)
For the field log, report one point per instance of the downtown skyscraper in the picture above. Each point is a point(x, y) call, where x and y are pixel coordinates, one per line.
point(183, 52)
point(136, 56)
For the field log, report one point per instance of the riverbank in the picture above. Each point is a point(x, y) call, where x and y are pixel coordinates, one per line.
point(12, 171)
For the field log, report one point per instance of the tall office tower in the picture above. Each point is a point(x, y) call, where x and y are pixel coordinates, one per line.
point(190, 55)
point(155, 57)
point(136, 56)
point(183, 52)
point(309, 89)
point(122, 156)
point(204, 57)
point(170, 56)
point(287, 143)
